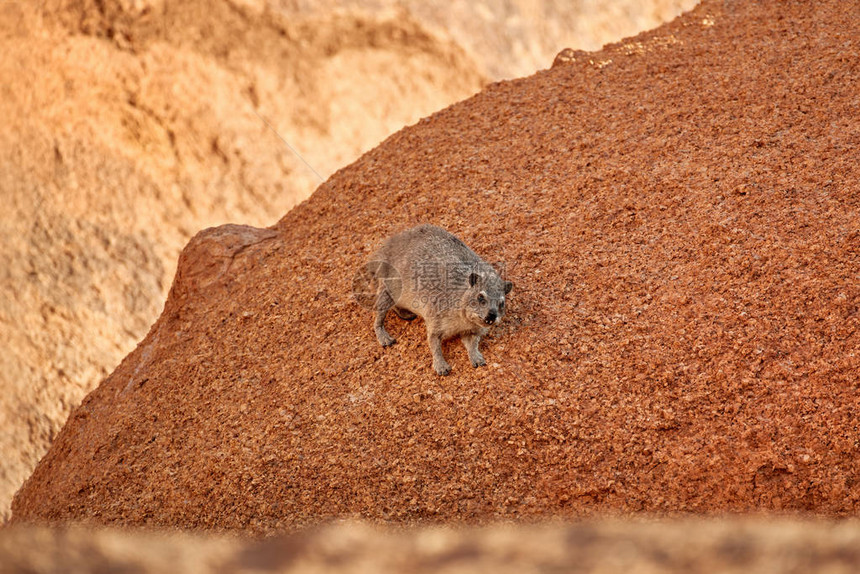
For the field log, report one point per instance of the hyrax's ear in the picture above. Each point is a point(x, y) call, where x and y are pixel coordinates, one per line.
point(473, 279)
point(508, 287)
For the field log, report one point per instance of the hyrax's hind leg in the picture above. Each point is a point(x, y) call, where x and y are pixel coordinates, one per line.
point(384, 302)
point(470, 341)
point(405, 314)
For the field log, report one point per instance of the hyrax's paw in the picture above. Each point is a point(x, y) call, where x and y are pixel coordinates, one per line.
point(386, 340)
point(442, 368)
point(478, 362)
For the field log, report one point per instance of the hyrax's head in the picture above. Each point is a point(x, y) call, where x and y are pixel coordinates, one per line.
point(485, 298)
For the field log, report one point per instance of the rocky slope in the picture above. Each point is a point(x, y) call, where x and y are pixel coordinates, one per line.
point(679, 214)
point(128, 126)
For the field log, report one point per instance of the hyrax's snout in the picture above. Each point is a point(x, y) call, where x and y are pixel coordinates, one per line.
point(491, 317)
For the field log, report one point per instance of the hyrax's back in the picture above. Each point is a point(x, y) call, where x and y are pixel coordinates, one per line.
point(432, 265)
point(425, 242)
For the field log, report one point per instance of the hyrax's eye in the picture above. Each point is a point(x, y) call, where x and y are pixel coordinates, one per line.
point(481, 298)
point(501, 305)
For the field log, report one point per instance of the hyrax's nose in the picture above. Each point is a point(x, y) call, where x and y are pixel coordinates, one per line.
point(491, 318)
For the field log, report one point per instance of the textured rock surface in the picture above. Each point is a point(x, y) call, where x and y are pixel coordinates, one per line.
point(689, 546)
point(128, 126)
point(679, 214)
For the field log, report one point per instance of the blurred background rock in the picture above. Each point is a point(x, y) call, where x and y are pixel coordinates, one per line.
point(599, 547)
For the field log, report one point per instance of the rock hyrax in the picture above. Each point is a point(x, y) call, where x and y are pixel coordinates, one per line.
point(427, 271)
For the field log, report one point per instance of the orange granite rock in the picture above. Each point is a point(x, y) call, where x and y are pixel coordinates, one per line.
point(679, 215)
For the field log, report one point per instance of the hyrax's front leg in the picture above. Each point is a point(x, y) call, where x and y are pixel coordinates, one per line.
point(384, 302)
point(440, 365)
point(470, 341)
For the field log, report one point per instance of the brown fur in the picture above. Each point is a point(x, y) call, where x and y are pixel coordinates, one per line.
point(425, 271)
